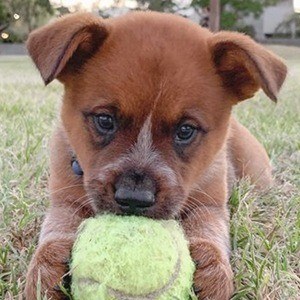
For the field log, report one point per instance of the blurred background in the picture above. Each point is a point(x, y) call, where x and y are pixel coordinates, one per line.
point(268, 21)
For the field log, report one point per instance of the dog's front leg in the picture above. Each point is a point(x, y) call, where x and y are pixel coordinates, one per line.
point(207, 231)
point(50, 261)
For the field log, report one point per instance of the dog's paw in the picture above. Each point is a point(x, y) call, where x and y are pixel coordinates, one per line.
point(47, 270)
point(213, 278)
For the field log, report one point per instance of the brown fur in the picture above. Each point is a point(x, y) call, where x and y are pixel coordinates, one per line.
point(165, 67)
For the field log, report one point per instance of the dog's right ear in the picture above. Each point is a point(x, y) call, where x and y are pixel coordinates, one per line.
point(66, 44)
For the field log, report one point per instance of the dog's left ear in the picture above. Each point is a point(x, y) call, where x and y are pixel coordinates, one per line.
point(244, 66)
point(62, 47)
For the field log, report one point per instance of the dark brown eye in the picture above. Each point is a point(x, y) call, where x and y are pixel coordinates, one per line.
point(105, 124)
point(185, 134)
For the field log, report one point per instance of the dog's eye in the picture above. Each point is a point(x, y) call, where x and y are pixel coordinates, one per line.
point(104, 123)
point(185, 133)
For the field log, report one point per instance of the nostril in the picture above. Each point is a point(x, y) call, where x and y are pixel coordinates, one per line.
point(134, 198)
point(121, 197)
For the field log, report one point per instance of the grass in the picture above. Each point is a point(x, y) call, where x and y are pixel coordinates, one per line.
point(265, 229)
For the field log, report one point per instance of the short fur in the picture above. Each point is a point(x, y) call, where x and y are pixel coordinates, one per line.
point(153, 71)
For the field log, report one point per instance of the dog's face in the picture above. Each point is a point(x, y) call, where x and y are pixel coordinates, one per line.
point(147, 102)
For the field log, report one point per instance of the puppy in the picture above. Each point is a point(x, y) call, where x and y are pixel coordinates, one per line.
point(147, 130)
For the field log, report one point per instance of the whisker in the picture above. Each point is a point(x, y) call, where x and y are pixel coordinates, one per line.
point(198, 205)
point(198, 189)
point(65, 188)
point(198, 209)
point(190, 207)
point(75, 202)
point(87, 202)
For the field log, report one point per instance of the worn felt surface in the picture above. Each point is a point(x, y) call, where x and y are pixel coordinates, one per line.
point(131, 258)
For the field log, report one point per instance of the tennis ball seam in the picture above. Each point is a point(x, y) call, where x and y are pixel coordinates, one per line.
point(152, 295)
point(124, 296)
point(165, 287)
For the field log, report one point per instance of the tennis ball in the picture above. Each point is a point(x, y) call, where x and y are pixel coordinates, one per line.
point(129, 258)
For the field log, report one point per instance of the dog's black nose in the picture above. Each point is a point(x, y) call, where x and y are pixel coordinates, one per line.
point(138, 199)
point(135, 192)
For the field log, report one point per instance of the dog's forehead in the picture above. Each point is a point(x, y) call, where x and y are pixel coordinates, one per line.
point(152, 64)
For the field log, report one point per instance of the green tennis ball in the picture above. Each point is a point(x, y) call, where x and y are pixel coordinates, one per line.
point(128, 258)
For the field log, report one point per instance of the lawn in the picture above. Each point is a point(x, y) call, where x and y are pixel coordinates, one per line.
point(265, 228)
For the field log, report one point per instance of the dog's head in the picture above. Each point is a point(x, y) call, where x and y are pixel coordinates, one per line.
point(147, 101)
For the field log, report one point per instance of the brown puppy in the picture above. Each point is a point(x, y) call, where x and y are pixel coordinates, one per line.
point(147, 115)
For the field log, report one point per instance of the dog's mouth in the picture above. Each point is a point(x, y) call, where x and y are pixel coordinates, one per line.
point(132, 210)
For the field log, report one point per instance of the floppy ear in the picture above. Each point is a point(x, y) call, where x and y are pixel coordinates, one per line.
point(65, 45)
point(245, 66)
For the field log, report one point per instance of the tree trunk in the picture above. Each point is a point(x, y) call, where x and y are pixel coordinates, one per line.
point(156, 5)
point(214, 15)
